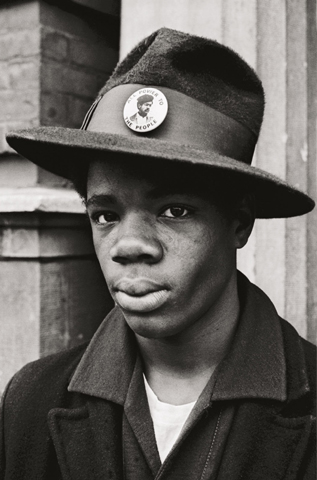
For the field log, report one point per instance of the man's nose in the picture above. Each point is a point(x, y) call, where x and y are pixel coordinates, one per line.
point(136, 242)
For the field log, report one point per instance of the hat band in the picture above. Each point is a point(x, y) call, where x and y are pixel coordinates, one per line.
point(188, 123)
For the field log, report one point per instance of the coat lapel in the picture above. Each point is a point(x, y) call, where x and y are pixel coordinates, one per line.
point(265, 445)
point(272, 434)
point(88, 441)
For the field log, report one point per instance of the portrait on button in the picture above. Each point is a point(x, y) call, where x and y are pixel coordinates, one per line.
point(142, 116)
point(145, 110)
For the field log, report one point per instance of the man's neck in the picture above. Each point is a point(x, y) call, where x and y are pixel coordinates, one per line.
point(179, 367)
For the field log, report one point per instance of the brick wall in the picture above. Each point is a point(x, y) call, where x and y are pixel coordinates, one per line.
point(20, 34)
point(76, 61)
point(52, 64)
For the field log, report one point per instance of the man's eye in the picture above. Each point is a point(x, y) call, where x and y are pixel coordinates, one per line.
point(104, 218)
point(175, 212)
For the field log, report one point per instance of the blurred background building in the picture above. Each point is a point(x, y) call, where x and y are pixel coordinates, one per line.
point(54, 57)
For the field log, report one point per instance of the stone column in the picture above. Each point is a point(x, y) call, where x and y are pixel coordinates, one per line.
point(53, 60)
point(279, 40)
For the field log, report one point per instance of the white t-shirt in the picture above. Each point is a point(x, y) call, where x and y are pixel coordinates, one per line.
point(168, 420)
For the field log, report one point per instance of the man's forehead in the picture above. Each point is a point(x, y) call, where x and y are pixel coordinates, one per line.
point(155, 172)
point(157, 180)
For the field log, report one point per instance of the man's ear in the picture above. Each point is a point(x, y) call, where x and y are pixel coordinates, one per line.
point(245, 216)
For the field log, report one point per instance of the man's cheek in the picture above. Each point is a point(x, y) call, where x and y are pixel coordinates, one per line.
point(103, 256)
point(101, 243)
point(179, 243)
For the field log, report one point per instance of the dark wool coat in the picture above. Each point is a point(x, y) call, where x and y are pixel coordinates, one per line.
point(51, 433)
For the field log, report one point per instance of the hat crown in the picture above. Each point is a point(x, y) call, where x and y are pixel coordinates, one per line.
point(198, 67)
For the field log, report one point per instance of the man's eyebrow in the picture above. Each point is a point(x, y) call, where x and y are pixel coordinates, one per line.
point(100, 200)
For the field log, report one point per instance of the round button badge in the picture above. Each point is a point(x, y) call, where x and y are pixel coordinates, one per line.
point(145, 109)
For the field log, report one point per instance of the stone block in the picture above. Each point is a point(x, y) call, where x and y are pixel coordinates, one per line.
point(54, 109)
point(52, 77)
point(54, 44)
point(56, 77)
point(51, 219)
point(18, 44)
point(65, 242)
point(30, 242)
point(86, 84)
point(39, 199)
point(24, 75)
point(83, 83)
point(51, 180)
point(52, 16)
point(19, 317)
point(111, 7)
point(19, 243)
point(16, 171)
point(17, 15)
point(19, 106)
point(4, 76)
point(91, 26)
point(93, 54)
point(4, 19)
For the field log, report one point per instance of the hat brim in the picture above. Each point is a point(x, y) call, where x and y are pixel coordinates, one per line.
point(61, 150)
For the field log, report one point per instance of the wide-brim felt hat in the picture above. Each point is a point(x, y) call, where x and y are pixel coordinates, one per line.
point(206, 110)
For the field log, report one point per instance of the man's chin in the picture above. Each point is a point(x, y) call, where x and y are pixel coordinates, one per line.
point(148, 324)
point(153, 325)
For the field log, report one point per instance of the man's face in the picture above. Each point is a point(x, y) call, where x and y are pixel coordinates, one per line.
point(167, 253)
point(144, 108)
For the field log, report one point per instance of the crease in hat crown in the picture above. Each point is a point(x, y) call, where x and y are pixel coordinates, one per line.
point(208, 75)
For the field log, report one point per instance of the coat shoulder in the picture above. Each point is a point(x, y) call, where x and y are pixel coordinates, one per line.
point(301, 357)
point(32, 392)
point(294, 341)
point(43, 381)
point(310, 353)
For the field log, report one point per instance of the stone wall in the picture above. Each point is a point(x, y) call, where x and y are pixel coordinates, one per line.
point(54, 57)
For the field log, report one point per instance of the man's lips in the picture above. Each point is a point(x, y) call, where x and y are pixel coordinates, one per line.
point(140, 295)
point(138, 286)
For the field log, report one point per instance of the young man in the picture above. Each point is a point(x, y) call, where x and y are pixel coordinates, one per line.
point(193, 375)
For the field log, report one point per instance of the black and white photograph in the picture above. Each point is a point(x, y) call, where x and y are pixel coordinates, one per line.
point(158, 238)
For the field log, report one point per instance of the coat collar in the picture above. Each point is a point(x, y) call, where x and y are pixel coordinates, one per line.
point(106, 367)
point(254, 368)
